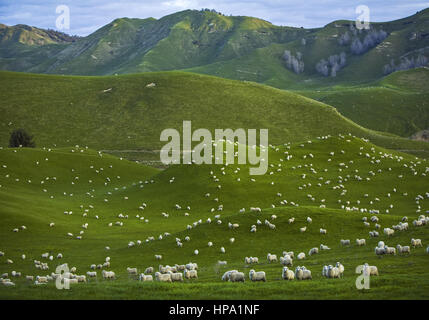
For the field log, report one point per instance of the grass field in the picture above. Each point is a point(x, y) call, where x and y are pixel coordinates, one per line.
point(38, 185)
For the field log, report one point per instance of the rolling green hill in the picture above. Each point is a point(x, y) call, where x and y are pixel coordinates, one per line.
point(37, 186)
point(121, 112)
point(398, 104)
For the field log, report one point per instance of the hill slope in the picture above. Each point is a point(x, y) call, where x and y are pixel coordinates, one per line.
point(38, 186)
point(123, 113)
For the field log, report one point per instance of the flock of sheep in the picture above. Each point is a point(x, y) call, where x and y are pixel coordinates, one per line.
point(179, 273)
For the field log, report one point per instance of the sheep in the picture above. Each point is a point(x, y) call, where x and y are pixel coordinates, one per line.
point(210, 244)
point(312, 251)
point(257, 276)
point(309, 220)
point(390, 250)
point(380, 251)
point(227, 274)
point(322, 231)
point(271, 257)
point(340, 268)
point(190, 274)
point(331, 272)
point(176, 277)
point(222, 250)
point(81, 278)
point(191, 266)
point(42, 279)
point(145, 278)
point(290, 253)
point(287, 274)
point(91, 274)
point(9, 261)
point(345, 242)
point(196, 252)
point(301, 256)
point(388, 232)
point(148, 270)
point(323, 247)
point(427, 249)
point(373, 234)
point(237, 277)
point(303, 229)
point(301, 273)
point(222, 263)
point(108, 274)
point(370, 270)
point(416, 242)
point(360, 242)
point(158, 257)
point(29, 278)
point(8, 284)
point(132, 271)
point(405, 249)
point(286, 260)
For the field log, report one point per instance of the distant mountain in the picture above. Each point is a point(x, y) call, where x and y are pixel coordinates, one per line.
point(238, 47)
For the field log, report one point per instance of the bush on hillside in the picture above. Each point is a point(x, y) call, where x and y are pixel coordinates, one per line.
point(21, 138)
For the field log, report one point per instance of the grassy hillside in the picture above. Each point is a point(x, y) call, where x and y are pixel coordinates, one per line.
point(120, 112)
point(37, 186)
point(398, 104)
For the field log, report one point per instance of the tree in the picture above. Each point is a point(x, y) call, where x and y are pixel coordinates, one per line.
point(21, 138)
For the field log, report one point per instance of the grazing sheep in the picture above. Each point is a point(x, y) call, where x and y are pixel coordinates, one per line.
point(303, 229)
point(227, 274)
point(257, 276)
point(388, 232)
point(237, 277)
point(373, 234)
point(312, 251)
point(8, 284)
point(108, 274)
point(286, 260)
point(370, 270)
point(309, 220)
point(222, 249)
point(222, 263)
point(196, 252)
point(176, 276)
point(360, 242)
point(163, 277)
point(403, 249)
point(145, 278)
point(190, 274)
point(132, 271)
point(340, 268)
point(322, 231)
point(380, 251)
point(390, 250)
point(271, 257)
point(345, 242)
point(301, 256)
point(287, 274)
point(323, 247)
point(148, 270)
point(91, 274)
point(291, 220)
point(416, 242)
point(301, 273)
point(29, 278)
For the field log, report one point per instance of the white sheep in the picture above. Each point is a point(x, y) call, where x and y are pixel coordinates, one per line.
point(163, 277)
point(287, 274)
point(403, 249)
point(148, 270)
point(286, 260)
point(176, 276)
point(237, 277)
point(312, 251)
point(257, 276)
point(271, 257)
point(360, 242)
point(227, 274)
point(190, 274)
point(345, 242)
point(301, 256)
point(145, 278)
point(322, 231)
point(416, 242)
point(132, 271)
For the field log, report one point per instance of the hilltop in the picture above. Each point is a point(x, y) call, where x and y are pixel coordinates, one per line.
point(122, 112)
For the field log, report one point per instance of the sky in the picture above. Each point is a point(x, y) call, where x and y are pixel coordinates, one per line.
point(86, 16)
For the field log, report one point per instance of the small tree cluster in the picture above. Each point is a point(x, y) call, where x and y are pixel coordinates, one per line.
point(372, 39)
point(332, 65)
point(294, 63)
point(21, 138)
point(406, 64)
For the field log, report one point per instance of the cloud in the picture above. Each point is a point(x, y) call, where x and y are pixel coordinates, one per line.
point(89, 15)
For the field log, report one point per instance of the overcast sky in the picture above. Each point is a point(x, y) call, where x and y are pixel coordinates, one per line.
point(86, 16)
